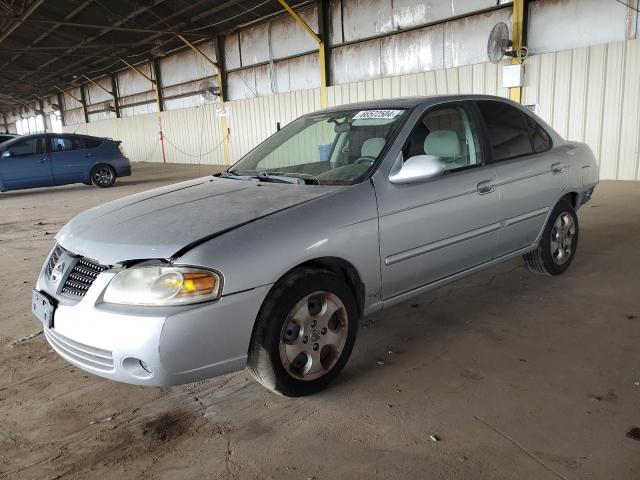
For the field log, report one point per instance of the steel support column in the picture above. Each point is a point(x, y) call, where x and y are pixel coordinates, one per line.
point(324, 25)
point(154, 84)
point(110, 92)
point(322, 51)
point(222, 86)
point(157, 86)
point(83, 96)
point(60, 109)
point(114, 89)
point(518, 30)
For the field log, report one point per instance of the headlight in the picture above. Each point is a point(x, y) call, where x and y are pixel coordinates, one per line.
point(160, 286)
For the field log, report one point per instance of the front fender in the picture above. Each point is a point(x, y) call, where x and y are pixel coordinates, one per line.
point(343, 225)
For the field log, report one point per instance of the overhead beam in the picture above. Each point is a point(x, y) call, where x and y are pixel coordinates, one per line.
point(114, 28)
point(44, 35)
point(20, 20)
point(106, 29)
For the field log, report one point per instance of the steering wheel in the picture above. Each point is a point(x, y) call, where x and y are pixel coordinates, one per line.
point(365, 159)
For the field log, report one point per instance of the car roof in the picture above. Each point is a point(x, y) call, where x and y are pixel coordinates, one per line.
point(410, 102)
point(50, 134)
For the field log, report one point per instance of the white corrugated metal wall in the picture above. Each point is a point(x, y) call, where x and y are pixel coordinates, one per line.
point(588, 94)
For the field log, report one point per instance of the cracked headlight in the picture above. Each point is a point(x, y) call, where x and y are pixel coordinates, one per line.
point(160, 286)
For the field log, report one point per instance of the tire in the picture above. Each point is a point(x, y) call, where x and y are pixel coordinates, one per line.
point(103, 176)
point(299, 346)
point(558, 244)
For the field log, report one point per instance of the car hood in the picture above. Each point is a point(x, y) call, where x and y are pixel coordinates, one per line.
point(160, 223)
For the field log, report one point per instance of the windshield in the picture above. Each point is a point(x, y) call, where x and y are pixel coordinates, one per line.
point(336, 148)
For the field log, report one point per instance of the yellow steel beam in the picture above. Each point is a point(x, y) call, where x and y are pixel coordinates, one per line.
point(153, 82)
point(100, 86)
point(137, 70)
point(298, 19)
point(517, 30)
point(321, 51)
point(43, 99)
point(67, 93)
point(223, 119)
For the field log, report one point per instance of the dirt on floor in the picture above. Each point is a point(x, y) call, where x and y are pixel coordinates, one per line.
point(503, 375)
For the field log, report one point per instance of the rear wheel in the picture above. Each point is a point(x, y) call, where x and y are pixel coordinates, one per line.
point(103, 176)
point(558, 243)
point(304, 333)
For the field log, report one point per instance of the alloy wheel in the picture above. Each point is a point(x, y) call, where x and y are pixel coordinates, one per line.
point(562, 237)
point(103, 176)
point(313, 335)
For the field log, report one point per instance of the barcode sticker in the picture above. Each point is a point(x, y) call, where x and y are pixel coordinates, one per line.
point(376, 114)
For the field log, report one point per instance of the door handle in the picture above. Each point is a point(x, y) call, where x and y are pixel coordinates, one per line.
point(557, 168)
point(486, 187)
point(89, 155)
point(43, 160)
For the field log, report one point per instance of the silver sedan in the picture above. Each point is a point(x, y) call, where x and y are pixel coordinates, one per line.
point(271, 263)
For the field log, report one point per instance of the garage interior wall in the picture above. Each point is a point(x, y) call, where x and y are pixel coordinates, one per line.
point(581, 76)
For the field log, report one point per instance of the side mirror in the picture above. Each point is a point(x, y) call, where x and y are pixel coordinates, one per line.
point(6, 154)
point(418, 169)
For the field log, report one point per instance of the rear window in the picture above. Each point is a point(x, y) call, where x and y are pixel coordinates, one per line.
point(92, 142)
point(507, 130)
point(64, 144)
point(539, 137)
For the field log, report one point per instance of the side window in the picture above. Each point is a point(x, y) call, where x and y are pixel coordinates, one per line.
point(60, 144)
point(77, 143)
point(31, 146)
point(539, 137)
point(448, 133)
point(507, 130)
point(91, 143)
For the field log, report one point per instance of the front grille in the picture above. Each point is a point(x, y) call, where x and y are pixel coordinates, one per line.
point(77, 352)
point(82, 277)
point(53, 259)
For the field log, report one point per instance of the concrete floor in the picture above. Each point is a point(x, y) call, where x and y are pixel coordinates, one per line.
point(521, 376)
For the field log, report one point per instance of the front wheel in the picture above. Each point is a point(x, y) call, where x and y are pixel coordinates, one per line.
point(103, 176)
point(304, 333)
point(558, 244)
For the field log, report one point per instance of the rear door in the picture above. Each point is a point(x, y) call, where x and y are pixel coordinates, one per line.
point(530, 178)
point(25, 164)
point(69, 158)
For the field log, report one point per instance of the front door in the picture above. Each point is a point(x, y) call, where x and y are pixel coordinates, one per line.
point(434, 229)
point(25, 164)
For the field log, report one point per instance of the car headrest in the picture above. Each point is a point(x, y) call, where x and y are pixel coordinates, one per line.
point(372, 147)
point(442, 143)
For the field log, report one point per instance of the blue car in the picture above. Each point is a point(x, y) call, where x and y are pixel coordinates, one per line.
point(49, 159)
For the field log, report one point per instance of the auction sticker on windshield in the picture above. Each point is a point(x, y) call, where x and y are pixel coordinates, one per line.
point(376, 114)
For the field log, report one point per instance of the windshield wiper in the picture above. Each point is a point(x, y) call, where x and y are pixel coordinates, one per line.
point(233, 176)
point(296, 175)
point(269, 177)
